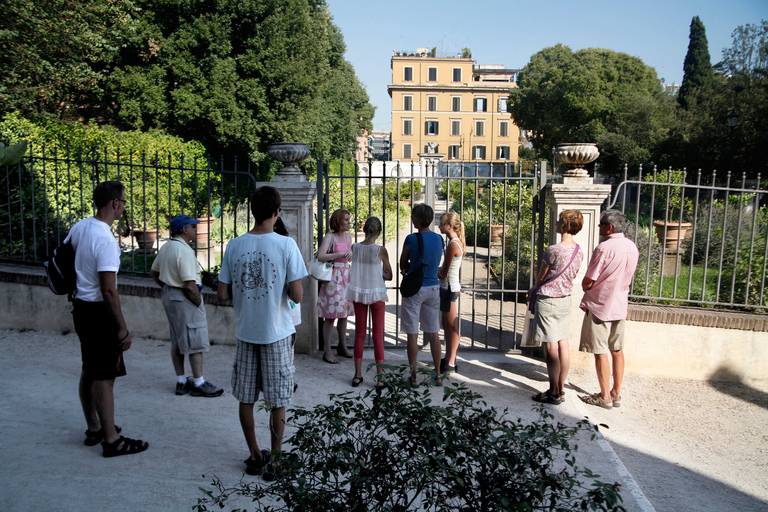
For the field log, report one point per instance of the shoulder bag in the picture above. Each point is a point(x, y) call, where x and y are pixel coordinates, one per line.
point(411, 283)
point(321, 270)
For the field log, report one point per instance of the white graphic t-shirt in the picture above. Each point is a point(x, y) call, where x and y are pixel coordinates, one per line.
point(258, 268)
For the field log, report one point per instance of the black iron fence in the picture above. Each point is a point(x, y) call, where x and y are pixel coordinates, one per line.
point(702, 241)
point(505, 231)
point(50, 190)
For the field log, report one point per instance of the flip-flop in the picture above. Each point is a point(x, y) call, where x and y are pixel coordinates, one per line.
point(597, 400)
point(330, 361)
point(356, 381)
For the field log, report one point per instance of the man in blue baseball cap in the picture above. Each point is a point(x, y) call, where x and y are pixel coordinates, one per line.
point(177, 272)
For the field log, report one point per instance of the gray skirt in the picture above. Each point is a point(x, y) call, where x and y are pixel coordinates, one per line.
point(553, 319)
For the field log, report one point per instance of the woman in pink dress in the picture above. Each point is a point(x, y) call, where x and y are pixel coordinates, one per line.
point(332, 303)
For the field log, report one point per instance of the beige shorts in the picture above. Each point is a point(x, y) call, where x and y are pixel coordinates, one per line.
point(424, 308)
point(598, 337)
point(187, 322)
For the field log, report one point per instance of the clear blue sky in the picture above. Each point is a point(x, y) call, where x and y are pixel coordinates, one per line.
point(509, 32)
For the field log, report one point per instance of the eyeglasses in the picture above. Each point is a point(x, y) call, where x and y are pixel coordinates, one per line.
point(122, 200)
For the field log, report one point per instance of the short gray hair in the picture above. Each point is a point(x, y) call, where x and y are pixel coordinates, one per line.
point(616, 219)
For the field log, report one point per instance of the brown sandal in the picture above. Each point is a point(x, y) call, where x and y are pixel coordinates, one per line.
point(597, 400)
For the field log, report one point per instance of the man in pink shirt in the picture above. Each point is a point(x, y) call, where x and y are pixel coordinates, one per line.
point(606, 296)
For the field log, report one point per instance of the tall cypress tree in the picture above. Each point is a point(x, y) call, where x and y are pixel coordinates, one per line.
point(698, 76)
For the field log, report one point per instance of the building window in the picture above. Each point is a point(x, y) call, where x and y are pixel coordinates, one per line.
point(481, 105)
point(502, 104)
point(503, 128)
point(478, 152)
point(407, 102)
point(480, 128)
point(456, 103)
point(453, 152)
point(408, 74)
point(502, 152)
point(455, 127)
point(432, 103)
point(457, 74)
point(430, 128)
point(407, 127)
point(406, 151)
point(432, 75)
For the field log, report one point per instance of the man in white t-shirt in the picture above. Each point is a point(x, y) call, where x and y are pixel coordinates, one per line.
point(99, 320)
point(177, 272)
point(260, 271)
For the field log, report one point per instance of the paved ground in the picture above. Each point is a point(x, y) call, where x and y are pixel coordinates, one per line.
point(47, 467)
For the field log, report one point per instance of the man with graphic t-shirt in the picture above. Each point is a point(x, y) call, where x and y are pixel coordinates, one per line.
point(99, 320)
point(260, 271)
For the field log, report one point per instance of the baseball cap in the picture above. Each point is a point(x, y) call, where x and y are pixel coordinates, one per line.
point(178, 222)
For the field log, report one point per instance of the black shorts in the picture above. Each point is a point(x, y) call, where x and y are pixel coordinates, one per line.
point(446, 298)
point(99, 342)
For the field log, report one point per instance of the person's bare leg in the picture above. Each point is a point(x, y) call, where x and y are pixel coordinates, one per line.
point(451, 335)
point(618, 371)
point(87, 402)
point(341, 330)
point(436, 349)
point(104, 402)
point(249, 430)
point(328, 337)
point(358, 369)
point(277, 428)
point(196, 362)
point(553, 366)
point(603, 367)
point(564, 351)
point(413, 352)
point(178, 361)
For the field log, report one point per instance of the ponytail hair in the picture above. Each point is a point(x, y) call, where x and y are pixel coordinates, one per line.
point(453, 220)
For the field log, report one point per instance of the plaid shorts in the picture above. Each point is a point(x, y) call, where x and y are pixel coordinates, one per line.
point(264, 368)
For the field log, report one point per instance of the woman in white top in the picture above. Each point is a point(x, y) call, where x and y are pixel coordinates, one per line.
point(370, 268)
point(450, 287)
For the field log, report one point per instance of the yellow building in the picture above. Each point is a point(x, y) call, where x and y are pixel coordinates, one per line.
point(450, 106)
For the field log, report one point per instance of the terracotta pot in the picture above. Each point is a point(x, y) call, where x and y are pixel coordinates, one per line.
point(203, 229)
point(668, 233)
point(497, 230)
point(145, 238)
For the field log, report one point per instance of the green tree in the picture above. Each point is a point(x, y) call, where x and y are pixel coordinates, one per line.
point(54, 54)
point(239, 75)
point(592, 95)
point(698, 76)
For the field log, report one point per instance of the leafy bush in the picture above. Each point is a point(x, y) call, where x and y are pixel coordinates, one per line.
point(396, 450)
point(728, 229)
point(667, 198)
point(405, 189)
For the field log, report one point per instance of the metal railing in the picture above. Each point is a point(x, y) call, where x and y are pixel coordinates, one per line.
point(500, 207)
point(49, 191)
point(710, 246)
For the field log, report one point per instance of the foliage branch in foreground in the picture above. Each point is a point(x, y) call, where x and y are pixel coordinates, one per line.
point(395, 449)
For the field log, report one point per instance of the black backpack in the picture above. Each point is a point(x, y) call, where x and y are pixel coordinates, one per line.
point(60, 269)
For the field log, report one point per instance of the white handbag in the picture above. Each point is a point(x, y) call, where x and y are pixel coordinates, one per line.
point(321, 270)
point(529, 331)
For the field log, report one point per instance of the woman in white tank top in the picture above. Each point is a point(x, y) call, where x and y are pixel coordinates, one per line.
point(450, 287)
point(370, 268)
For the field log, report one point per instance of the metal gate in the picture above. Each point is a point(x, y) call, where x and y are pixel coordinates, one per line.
point(502, 207)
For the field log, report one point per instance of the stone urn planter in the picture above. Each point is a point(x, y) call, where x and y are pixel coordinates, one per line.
point(575, 156)
point(669, 232)
point(497, 231)
point(289, 154)
point(145, 238)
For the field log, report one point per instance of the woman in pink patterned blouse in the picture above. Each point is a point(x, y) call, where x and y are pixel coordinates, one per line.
point(552, 294)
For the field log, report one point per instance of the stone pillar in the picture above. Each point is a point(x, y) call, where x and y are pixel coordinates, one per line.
point(583, 195)
point(298, 216)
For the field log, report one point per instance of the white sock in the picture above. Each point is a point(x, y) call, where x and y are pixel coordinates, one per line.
point(181, 379)
point(199, 382)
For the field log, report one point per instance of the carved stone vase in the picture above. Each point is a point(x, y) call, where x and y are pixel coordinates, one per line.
point(575, 157)
point(289, 154)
